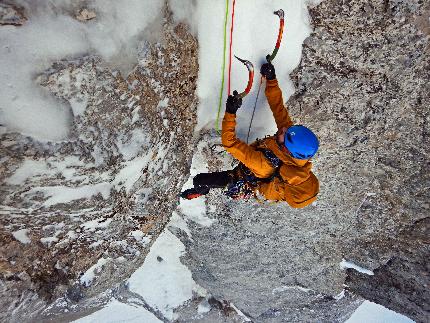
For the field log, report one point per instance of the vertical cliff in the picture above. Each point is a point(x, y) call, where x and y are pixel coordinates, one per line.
point(363, 86)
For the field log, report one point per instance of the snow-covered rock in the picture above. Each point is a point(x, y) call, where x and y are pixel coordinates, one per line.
point(95, 201)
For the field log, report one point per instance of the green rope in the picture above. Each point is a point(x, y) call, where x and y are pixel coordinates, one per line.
point(223, 66)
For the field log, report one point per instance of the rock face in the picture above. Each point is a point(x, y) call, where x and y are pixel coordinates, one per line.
point(104, 194)
point(11, 14)
point(97, 200)
point(363, 86)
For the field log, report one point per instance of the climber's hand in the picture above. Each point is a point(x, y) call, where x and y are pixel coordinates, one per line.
point(268, 71)
point(233, 103)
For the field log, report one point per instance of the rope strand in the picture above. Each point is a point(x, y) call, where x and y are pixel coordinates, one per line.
point(231, 43)
point(223, 66)
point(255, 105)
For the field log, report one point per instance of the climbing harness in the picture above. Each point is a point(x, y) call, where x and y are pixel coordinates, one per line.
point(269, 58)
point(246, 183)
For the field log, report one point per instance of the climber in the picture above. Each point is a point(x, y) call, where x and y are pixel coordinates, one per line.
point(278, 167)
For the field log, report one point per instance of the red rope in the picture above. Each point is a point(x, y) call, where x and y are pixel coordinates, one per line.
point(231, 42)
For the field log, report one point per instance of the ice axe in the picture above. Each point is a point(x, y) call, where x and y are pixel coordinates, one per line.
point(269, 58)
point(250, 68)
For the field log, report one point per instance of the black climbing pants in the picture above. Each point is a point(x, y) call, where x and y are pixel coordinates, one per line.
point(203, 182)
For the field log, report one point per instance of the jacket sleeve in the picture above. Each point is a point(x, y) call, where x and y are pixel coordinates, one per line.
point(248, 155)
point(276, 103)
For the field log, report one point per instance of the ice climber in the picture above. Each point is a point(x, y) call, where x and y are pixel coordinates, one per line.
point(277, 167)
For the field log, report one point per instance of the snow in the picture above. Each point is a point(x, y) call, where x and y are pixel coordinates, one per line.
point(28, 169)
point(163, 281)
point(204, 307)
point(22, 236)
point(140, 237)
point(62, 194)
point(88, 277)
point(281, 289)
point(375, 313)
point(132, 146)
point(48, 240)
point(30, 49)
point(178, 222)
point(348, 264)
point(132, 171)
point(195, 209)
point(31, 169)
point(117, 312)
point(239, 312)
point(95, 224)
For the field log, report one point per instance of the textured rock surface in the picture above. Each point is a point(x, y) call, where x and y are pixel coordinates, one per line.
point(117, 163)
point(11, 14)
point(363, 86)
point(402, 284)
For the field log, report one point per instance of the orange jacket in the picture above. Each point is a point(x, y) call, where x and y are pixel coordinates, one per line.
point(298, 186)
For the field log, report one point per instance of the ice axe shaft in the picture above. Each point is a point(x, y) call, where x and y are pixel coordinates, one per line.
point(280, 14)
point(250, 68)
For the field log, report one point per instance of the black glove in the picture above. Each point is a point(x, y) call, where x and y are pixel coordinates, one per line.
point(233, 103)
point(268, 71)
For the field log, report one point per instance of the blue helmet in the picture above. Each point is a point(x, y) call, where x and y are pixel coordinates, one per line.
point(301, 142)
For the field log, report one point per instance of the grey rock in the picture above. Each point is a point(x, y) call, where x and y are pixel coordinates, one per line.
point(11, 14)
point(116, 120)
point(362, 86)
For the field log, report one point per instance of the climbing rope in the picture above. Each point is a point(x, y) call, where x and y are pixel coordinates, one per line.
point(269, 58)
point(253, 111)
point(223, 66)
point(231, 43)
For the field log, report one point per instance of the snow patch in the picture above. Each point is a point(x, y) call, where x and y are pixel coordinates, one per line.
point(22, 236)
point(163, 281)
point(350, 265)
point(140, 237)
point(116, 312)
point(96, 224)
point(281, 289)
point(48, 241)
point(28, 50)
point(195, 210)
point(375, 313)
point(62, 194)
point(132, 171)
point(87, 278)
